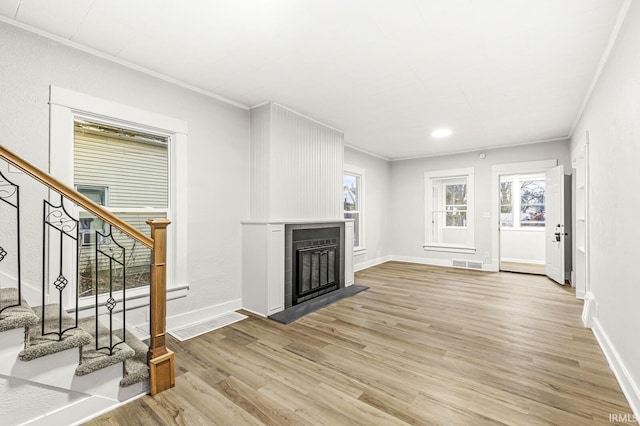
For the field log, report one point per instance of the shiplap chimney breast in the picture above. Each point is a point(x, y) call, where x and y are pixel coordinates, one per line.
point(296, 166)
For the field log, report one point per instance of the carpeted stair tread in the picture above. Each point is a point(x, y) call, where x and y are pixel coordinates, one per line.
point(38, 345)
point(94, 360)
point(136, 369)
point(16, 316)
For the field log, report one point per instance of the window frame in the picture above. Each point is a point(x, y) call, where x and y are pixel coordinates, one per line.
point(516, 202)
point(67, 106)
point(359, 174)
point(429, 178)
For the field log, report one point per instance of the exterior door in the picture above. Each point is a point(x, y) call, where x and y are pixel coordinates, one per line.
point(554, 229)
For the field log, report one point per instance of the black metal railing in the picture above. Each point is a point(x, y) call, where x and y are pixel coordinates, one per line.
point(115, 254)
point(58, 227)
point(10, 195)
point(61, 244)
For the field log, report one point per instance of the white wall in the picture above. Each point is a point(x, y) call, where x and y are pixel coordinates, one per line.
point(296, 166)
point(218, 150)
point(376, 203)
point(522, 245)
point(612, 118)
point(407, 222)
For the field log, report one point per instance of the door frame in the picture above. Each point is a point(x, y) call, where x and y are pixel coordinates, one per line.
point(497, 171)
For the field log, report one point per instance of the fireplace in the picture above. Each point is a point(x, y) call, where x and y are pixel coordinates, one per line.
point(314, 263)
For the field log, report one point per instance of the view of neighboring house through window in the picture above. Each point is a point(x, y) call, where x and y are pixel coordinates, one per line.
point(524, 195)
point(353, 184)
point(449, 210)
point(127, 172)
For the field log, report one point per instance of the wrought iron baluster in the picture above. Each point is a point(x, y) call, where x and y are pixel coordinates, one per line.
point(115, 253)
point(10, 194)
point(57, 219)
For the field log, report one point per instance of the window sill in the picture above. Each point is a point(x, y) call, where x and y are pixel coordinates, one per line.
point(136, 298)
point(449, 248)
point(359, 251)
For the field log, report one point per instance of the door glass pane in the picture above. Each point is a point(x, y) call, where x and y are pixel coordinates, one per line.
point(532, 192)
point(532, 215)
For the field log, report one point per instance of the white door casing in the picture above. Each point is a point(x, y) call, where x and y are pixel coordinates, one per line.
point(554, 229)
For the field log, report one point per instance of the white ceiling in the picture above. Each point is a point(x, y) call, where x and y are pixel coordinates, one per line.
point(387, 73)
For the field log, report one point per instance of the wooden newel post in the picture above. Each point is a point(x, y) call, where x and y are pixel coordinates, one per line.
point(161, 361)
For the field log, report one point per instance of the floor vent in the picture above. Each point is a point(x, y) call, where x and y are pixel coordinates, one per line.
point(193, 330)
point(467, 264)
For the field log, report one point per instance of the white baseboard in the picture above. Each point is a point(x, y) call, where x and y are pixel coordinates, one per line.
point(588, 309)
point(438, 262)
point(370, 263)
point(199, 315)
point(629, 387)
point(534, 262)
point(254, 312)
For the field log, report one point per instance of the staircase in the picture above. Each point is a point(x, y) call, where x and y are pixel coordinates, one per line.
point(84, 356)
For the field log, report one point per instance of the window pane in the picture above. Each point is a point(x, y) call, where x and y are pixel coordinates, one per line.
point(134, 166)
point(456, 194)
point(136, 256)
point(532, 192)
point(532, 215)
point(351, 189)
point(505, 193)
point(506, 216)
point(96, 194)
point(356, 227)
point(456, 218)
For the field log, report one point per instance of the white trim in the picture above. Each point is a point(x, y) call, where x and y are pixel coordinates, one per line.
point(66, 105)
point(507, 169)
point(603, 62)
point(97, 414)
point(588, 309)
point(202, 314)
point(532, 262)
point(630, 388)
point(449, 248)
point(364, 151)
point(298, 114)
point(358, 172)
point(447, 263)
point(468, 174)
point(122, 62)
point(91, 105)
point(371, 263)
point(486, 148)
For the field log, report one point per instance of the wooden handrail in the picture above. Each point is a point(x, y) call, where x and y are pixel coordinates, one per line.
point(74, 196)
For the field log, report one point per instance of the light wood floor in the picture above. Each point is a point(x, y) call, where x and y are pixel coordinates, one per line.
point(524, 268)
point(424, 345)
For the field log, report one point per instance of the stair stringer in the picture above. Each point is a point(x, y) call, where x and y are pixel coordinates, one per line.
point(59, 370)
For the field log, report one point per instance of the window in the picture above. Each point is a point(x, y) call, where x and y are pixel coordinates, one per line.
point(353, 185)
point(506, 206)
point(449, 211)
point(88, 225)
point(456, 204)
point(127, 172)
point(529, 201)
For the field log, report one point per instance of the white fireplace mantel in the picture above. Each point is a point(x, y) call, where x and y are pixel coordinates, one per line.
point(263, 266)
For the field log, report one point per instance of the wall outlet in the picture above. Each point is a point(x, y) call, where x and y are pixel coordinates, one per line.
point(486, 215)
point(487, 254)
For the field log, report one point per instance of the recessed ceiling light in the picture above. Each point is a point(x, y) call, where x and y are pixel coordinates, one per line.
point(441, 133)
